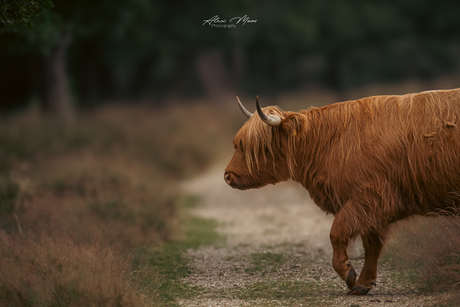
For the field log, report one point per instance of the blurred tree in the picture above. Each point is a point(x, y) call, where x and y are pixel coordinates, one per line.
point(344, 44)
point(20, 12)
point(99, 40)
point(23, 48)
point(132, 49)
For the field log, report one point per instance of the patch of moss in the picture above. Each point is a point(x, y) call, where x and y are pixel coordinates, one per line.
point(286, 292)
point(170, 265)
point(265, 262)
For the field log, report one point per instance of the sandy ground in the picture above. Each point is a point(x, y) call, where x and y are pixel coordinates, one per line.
point(279, 219)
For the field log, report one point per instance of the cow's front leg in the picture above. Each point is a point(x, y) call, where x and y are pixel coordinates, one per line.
point(340, 236)
point(373, 242)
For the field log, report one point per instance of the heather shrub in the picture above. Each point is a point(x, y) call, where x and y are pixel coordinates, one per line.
point(427, 249)
point(78, 200)
point(49, 271)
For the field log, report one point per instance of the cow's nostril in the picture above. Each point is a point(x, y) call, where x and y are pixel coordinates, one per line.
point(228, 178)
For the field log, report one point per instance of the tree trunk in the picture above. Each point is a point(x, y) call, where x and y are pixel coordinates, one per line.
point(239, 63)
point(213, 73)
point(55, 91)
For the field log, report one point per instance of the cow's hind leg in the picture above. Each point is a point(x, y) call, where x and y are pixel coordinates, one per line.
point(373, 242)
point(340, 235)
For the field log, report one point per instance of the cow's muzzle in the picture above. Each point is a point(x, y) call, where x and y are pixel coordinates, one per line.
point(232, 180)
point(228, 177)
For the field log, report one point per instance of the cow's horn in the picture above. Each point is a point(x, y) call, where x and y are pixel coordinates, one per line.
point(273, 120)
point(243, 109)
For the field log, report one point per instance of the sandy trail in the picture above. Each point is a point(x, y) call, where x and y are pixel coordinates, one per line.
point(279, 219)
point(272, 215)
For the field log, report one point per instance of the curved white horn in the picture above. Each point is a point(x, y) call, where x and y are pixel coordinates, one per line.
point(243, 109)
point(273, 120)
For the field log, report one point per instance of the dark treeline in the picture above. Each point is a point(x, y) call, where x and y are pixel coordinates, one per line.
point(91, 51)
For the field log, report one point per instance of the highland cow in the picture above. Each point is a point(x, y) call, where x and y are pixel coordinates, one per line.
point(370, 162)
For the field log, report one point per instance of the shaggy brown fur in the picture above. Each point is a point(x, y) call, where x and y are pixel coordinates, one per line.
point(369, 162)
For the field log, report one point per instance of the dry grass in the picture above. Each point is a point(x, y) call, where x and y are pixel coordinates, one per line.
point(78, 200)
point(428, 250)
point(52, 271)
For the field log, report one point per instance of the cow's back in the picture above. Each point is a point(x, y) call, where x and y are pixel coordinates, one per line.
point(405, 147)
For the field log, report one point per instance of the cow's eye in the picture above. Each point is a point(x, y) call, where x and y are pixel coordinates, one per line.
point(238, 146)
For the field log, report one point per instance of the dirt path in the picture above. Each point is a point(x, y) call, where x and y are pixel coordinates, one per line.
point(277, 252)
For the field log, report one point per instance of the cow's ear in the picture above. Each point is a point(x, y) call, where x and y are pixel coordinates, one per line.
point(293, 124)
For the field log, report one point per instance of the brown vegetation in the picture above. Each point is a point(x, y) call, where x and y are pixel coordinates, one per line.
point(428, 251)
point(77, 201)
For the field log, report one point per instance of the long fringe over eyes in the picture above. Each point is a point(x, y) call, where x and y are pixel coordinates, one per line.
point(256, 138)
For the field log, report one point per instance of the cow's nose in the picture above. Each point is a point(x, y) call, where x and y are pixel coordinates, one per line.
point(228, 178)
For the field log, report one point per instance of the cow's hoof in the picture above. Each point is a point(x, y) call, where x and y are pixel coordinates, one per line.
point(351, 278)
point(359, 290)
